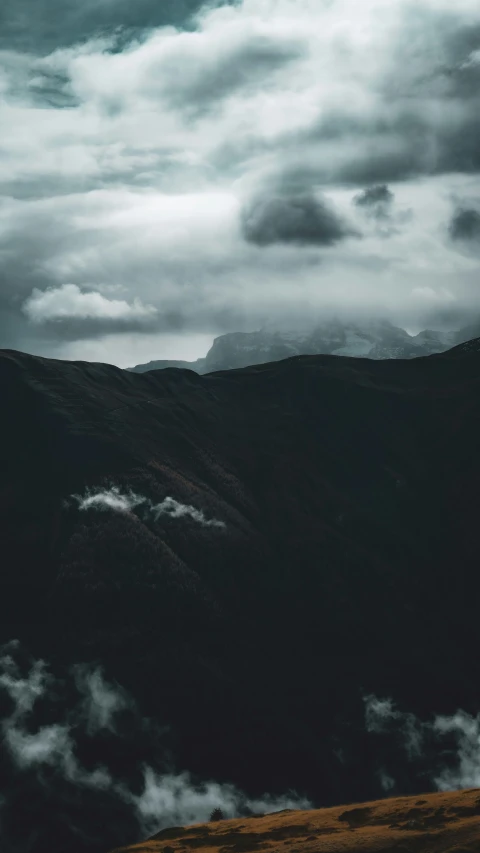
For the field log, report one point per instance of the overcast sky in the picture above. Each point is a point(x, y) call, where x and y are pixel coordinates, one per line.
point(170, 170)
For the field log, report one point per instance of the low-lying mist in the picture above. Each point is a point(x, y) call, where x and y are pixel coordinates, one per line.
point(76, 767)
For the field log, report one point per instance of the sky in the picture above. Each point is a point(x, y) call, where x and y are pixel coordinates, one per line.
point(171, 171)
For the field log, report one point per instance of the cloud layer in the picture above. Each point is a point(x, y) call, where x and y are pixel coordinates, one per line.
point(169, 175)
point(452, 743)
point(84, 708)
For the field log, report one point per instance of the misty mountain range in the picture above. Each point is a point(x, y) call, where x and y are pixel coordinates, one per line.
point(275, 569)
point(371, 339)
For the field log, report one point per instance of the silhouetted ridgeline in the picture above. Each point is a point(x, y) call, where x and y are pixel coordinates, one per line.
point(250, 554)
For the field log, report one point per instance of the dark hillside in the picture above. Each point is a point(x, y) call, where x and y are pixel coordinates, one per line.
point(342, 559)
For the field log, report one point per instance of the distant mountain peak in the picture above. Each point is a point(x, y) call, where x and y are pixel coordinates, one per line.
point(375, 338)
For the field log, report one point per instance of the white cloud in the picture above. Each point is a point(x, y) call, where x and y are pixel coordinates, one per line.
point(101, 700)
point(174, 509)
point(68, 301)
point(165, 799)
point(466, 731)
point(381, 716)
point(386, 781)
point(173, 800)
point(115, 500)
point(24, 692)
point(461, 762)
point(53, 744)
point(109, 499)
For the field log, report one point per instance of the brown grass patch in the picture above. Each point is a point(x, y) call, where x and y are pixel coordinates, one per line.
point(436, 823)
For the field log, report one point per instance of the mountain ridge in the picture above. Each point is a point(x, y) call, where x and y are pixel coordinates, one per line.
point(437, 823)
point(374, 339)
point(283, 540)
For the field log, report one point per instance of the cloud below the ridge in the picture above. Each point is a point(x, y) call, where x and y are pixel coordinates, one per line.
point(177, 797)
point(48, 758)
point(113, 499)
point(451, 741)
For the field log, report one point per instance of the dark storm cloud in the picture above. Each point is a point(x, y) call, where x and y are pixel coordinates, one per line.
point(465, 224)
point(377, 201)
point(20, 271)
point(384, 165)
point(92, 328)
point(460, 145)
point(40, 26)
point(405, 145)
point(425, 119)
point(300, 219)
point(201, 81)
point(435, 62)
point(377, 204)
point(372, 196)
point(376, 148)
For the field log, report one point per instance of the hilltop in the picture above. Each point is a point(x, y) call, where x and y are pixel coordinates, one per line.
point(433, 823)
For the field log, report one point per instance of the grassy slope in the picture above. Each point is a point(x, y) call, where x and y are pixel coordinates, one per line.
point(433, 823)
